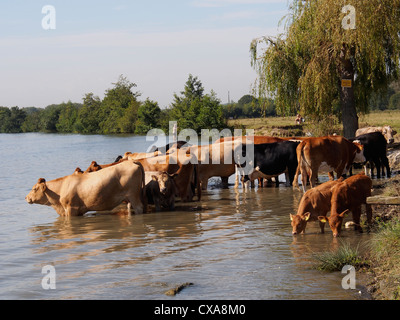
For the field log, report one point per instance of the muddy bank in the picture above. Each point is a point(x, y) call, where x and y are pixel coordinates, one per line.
point(383, 275)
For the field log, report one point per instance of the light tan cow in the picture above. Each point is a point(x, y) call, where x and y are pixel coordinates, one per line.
point(387, 132)
point(214, 160)
point(140, 155)
point(76, 194)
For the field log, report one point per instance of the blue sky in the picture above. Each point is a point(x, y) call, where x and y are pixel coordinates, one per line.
point(155, 44)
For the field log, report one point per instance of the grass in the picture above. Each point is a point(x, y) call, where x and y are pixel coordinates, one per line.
point(336, 260)
point(385, 255)
point(285, 126)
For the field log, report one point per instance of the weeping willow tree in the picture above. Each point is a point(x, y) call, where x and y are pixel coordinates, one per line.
point(325, 42)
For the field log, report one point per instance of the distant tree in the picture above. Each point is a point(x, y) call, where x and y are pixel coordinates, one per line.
point(118, 112)
point(194, 110)
point(394, 101)
point(67, 117)
point(32, 121)
point(89, 115)
point(148, 117)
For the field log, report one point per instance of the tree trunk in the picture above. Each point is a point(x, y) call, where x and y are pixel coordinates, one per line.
point(347, 99)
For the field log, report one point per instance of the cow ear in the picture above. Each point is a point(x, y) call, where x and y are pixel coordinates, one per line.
point(323, 219)
point(154, 178)
point(307, 216)
point(394, 132)
point(42, 183)
point(173, 175)
point(344, 213)
point(291, 217)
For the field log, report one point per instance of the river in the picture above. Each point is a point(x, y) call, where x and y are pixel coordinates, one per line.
point(234, 244)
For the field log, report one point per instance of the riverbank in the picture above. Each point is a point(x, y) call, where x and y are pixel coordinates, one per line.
point(383, 274)
point(286, 126)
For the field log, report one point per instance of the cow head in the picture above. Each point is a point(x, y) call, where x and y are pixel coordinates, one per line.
point(78, 171)
point(37, 194)
point(388, 133)
point(359, 155)
point(166, 182)
point(335, 221)
point(93, 167)
point(299, 222)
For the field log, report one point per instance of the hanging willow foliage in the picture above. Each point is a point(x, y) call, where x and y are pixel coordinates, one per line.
point(302, 69)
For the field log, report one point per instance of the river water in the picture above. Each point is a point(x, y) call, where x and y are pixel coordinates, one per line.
point(234, 244)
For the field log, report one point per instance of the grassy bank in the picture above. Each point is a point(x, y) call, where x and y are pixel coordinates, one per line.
point(380, 258)
point(285, 126)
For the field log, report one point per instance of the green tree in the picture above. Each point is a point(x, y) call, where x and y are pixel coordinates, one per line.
point(11, 120)
point(195, 110)
point(303, 68)
point(67, 117)
point(89, 115)
point(49, 118)
point(118, 111)
point(32, 121)
point(148, 117)
point(394, 101)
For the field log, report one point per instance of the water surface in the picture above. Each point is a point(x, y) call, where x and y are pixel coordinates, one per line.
point(231, 245)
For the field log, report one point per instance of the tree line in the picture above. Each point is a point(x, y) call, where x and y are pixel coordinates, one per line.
point(121, 111)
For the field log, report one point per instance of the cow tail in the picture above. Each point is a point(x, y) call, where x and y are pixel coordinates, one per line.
point(197, 181)
point(143, 196)
point(299, 152)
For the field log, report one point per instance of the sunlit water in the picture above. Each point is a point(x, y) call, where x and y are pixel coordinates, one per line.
point(231, 245)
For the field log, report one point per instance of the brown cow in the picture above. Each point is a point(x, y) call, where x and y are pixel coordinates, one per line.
point(254, 139)
point(315, 202)
point(349, 195)
point(215, 160)
point(387, 132)
point(325, 154)
point(76, 194)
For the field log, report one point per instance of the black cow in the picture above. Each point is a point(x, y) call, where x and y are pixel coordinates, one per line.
point(271, 160)
point(375, 146)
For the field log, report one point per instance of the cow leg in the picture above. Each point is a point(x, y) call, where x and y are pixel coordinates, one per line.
point(322, 226)
point(304, 177)
point(385, 164)
point(237, 175)
point(356, 218)
point(204, 183)
point(314, 176)
point(276, 181)
point(225, 184)
point(135, 203)
point(377, 163)
point(368, 210)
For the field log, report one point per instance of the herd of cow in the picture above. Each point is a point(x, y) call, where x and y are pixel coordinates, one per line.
point(182, 171)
